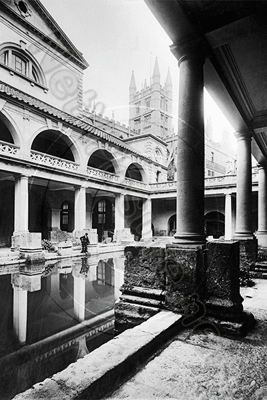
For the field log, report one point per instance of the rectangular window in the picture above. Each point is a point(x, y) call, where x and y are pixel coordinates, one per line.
point(212, 156)
point(19, 64)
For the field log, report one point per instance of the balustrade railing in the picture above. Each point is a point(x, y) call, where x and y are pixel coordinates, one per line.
point(99, 173)
point(52, 161)
point(134, 183)
point(8, 149)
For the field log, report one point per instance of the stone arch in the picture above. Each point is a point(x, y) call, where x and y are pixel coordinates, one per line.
point(214, 224)
point(104, 160)
point(8, 131)
point(135, 171)
point(32, 70)
point(55, 143)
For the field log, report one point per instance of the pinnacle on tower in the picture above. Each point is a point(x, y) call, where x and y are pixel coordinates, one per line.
point(168, 82)
point(132, 83)
point(156, 73)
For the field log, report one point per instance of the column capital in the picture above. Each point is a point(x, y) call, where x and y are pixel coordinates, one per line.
point(261, 166)
point(245, 134)
point(195, 48)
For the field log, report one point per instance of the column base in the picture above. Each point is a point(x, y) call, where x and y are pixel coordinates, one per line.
point(262, 238)
point(238, 328)
point(189, 239)
point(243, 236)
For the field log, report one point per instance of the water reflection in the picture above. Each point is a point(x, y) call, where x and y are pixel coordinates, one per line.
point(52, 314)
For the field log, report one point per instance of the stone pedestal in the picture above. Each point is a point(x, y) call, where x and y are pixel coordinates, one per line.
point(185, 273)
point(223, 299)
point(65, 248)
point(27, 242)
point(143, 289)
point(248, 254)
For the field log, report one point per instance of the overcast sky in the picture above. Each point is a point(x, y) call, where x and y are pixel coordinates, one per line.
point(116, 37)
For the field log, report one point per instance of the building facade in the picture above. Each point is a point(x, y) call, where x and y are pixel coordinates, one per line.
point(64, 169)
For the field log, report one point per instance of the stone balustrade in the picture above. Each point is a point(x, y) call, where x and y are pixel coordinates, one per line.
point(8, 149)
point(52, 161)
point(98, 173)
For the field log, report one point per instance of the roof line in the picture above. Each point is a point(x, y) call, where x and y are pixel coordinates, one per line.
point(68, 118)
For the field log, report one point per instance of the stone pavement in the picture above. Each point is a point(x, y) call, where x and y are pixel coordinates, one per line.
point(207, 367)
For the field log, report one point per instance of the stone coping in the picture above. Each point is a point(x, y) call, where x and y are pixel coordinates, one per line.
point(103, 370)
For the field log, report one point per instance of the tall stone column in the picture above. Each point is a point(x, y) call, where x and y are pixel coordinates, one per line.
point(147, 212)
point(190, 146)
point(262, 207)
point(79, 297)
point(228, 235)
point(244, 186)
point(21, 204)
point(80, 208)
point(243, 231)
point(20, 297)
point(119, 212)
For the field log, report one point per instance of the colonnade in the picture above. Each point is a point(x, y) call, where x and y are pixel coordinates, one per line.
point(82, 210)
point(190, 161)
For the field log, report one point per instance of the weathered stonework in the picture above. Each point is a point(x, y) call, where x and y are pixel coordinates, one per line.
point(144, 267)
point(185, 273)
point(201, 283)
point(248, 254)
point(223, 295)
point(144, 283)
point(223, 299)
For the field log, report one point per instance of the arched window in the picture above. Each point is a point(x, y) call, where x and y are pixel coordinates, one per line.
point(19, 62)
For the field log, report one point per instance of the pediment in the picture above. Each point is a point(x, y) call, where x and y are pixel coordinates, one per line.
point(33, 15)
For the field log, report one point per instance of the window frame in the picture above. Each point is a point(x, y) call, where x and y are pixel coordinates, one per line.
point(33, 72)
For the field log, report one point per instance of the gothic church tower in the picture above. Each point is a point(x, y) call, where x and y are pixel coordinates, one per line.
point(151, 107)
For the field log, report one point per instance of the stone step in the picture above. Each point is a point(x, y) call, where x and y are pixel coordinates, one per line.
point(141, 300)
point(262, 264)
point(149, 293)
point(258, 274)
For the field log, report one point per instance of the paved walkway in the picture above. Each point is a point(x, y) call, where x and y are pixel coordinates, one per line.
point(208, 367)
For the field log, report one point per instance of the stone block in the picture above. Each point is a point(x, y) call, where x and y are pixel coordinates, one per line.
point(248, 254)
point(27, 242)
point(185, 273)
point(123, 235)
point(128, 315)
point(65, 248)
point(26, 282)
point(223, 289)
point(144, 267)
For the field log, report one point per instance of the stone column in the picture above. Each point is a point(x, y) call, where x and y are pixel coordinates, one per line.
point(20, 297)
point(243, 231)
point(244, 186)
point(118, 276)
point(190, 146)
point(262, 207)
point(79, 297)
point(80, 209)
point(147, 212)
point(228, 217)
point(55, 217)
point(119, 215)
point(21, 204)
